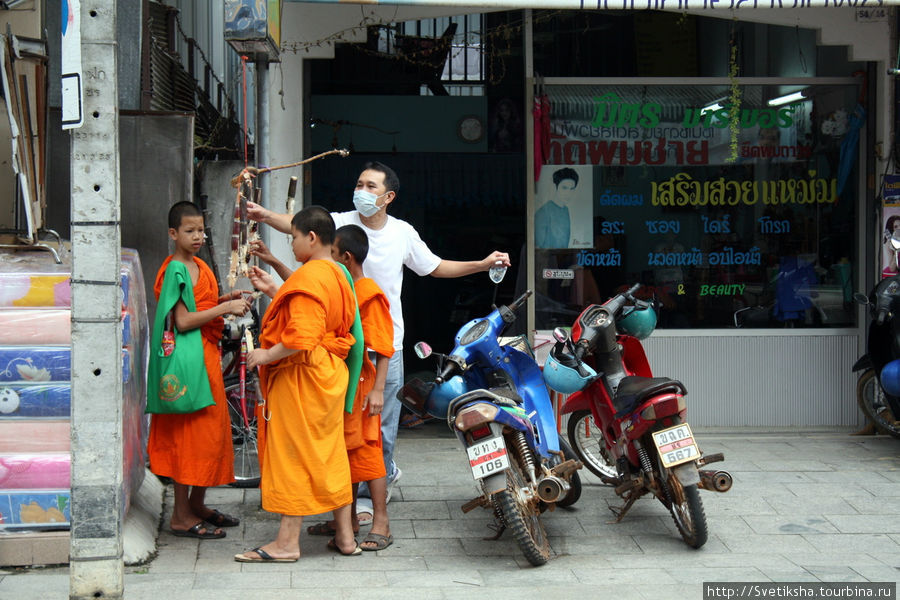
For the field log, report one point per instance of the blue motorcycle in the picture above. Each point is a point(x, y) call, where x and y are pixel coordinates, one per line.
point(492, 394)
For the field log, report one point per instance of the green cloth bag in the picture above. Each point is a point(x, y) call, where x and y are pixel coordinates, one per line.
point(354, 359)
point(177, 383)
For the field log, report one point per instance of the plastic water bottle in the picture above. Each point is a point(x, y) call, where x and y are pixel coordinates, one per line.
point(497, 272)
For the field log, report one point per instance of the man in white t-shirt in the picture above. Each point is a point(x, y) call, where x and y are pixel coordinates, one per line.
point(392, 244)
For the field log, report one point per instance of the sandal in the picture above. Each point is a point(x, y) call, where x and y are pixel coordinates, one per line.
point(411, 421)
point(332, 545)
point(222, 520)
point(381, 541)
point(321, 529)
point(194, 532)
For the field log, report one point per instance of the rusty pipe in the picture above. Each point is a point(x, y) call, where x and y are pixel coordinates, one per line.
point(715, 481)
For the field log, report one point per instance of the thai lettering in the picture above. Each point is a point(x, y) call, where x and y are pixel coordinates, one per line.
point(722, 117)
point(610, 110)
point(675, 259)
point(608, 199)
point(710, 226)
point(728, 256)
point(612, 227)
point(610, 258)
point(801, 151)
point(683, 190)
point(770, 225)
point(663, 226)
point(727, 289)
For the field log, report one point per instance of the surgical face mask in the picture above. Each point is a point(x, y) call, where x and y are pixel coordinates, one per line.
point(365, 202)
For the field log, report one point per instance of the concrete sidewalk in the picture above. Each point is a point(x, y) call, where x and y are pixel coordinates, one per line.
point(806, 506)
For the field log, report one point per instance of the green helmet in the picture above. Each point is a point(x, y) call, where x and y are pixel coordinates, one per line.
point(638, 322)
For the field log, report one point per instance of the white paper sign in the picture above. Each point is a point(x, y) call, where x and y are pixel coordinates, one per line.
point(72, 109)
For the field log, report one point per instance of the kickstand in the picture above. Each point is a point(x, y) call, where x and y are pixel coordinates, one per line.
point(620, 511)
point(498, 528)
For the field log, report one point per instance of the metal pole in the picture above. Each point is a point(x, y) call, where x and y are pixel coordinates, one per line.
point(528, 41)
point(262, 137)
point(95, 565)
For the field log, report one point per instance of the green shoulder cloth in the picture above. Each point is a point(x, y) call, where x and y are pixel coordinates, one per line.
point(177, 383)
point(354, 359)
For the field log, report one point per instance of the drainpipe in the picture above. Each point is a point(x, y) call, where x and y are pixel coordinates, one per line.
point(95, 548)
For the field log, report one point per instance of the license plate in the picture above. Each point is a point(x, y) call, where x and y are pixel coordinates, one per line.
point(488, 457)
point(676, 445)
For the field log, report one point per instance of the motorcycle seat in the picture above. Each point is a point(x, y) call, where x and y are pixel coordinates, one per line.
point(633, 390)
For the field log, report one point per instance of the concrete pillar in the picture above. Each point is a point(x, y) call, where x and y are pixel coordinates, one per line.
point(96, 568)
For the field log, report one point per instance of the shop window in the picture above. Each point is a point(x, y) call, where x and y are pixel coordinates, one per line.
point(646, 184)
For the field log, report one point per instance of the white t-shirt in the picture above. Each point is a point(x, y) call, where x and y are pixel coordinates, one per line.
point(394, 245)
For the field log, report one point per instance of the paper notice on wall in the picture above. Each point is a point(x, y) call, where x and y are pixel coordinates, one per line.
point(72, 109)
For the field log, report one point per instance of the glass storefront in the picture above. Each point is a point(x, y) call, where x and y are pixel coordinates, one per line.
point(729, 218)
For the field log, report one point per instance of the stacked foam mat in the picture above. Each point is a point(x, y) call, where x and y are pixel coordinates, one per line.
point(36, 389)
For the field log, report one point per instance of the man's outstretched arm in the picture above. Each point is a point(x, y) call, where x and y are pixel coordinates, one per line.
point(458, 268)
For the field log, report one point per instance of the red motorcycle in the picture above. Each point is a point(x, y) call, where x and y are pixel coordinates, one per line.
point(628, 427)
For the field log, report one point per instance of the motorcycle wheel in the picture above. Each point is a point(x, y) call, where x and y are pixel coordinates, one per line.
point(686, 509)
point(574, 479)
point(872, 403)
point(243, 435)
point(588, 445)
point(522, 514)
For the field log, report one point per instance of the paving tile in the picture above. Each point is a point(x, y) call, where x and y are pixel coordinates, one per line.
point(440, 492)
point(891, 488)
point(25, 586)
point(273, 578)
point(461, 583)
point(695, 574)
point(830, 559)
point(623, 577)
point(783, 525)
point(874, 505)
point(854, 542)
point(781, 544)
point(810, 505)
point(628, 526)
point(834, 574)
point(784, 573)
point(433, 509)
point(872, 523)
point(736, 503)
point(878, 572)
point(463, 564)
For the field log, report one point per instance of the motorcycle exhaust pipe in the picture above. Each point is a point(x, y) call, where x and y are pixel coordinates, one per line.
point(552, 489)
point(715, 481)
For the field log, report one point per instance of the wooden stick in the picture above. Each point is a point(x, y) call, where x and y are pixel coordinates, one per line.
point(236, 180)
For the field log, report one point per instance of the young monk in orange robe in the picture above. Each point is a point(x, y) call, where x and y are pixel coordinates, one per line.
point(362, 428)
point(195, 449)
point(305, 337)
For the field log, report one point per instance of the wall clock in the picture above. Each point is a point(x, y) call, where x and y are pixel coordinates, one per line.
point(470, 129)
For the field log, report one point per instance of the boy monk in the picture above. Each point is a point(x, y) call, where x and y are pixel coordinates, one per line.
point(194, 449)
point(362, 428)
point(304, 338)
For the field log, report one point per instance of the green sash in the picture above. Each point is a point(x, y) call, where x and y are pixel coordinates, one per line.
point(177, 383)
point(354, 359)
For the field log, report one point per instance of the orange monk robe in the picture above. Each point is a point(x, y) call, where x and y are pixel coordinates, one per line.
point(195, 448)
point(362, 432)
point(303, 459)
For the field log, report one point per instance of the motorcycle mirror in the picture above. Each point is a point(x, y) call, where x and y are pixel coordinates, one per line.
point(422, 349)
point(560, 335)
point(861, 298)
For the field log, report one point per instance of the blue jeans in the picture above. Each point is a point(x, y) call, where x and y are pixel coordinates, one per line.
point(390, 417)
